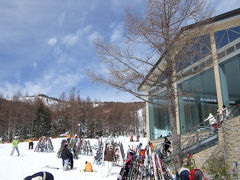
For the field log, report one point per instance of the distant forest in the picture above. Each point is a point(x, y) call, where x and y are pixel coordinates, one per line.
point(36, 116)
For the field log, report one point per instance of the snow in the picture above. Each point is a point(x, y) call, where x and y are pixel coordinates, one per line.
point(30, 162)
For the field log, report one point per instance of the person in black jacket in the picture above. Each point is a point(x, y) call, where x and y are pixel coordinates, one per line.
point(44, 175)
point(167, 145)
point(67, 157)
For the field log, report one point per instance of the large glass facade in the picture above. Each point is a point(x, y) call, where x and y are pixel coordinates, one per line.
point(228, 45)
point(197, 98)
point(159, 119)
point(197, 95)
point(230, 80)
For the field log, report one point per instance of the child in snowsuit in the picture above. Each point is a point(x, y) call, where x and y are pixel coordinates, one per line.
point(40, 176)
point(88, 167)
point(15, 146)
point(66, 155)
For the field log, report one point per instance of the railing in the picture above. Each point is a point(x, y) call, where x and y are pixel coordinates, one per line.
point(203, 132)
point(216, 154)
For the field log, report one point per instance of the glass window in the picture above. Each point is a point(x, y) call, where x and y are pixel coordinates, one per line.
point(230, 80)
point(226, 36)
point(197, 98)
point(230, 50)
point(159, 119)
point(193, 51)
point(237, 46)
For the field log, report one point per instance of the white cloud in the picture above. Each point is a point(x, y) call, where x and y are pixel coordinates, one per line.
point(70, 40)
point(117, 34)
point(64, 58)
point(35, 88)
point(52, 41)
point(51, 83)
point(94, 36)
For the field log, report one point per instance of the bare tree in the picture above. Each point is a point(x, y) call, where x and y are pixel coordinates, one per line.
point(160, 32)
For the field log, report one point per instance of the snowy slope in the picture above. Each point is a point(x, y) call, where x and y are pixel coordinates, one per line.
point(15, 168)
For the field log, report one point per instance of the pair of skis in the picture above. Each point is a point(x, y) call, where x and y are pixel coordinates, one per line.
point(153, 165)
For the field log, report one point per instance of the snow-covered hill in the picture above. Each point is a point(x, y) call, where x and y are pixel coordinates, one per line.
point(45, 99)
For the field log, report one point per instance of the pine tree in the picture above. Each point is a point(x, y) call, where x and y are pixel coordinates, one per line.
point(42, 121)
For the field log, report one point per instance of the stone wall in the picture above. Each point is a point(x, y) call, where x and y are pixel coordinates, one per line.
point(231, 142)
point(201, 157)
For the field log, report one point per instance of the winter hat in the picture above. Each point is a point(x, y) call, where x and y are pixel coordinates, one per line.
point(110, 146)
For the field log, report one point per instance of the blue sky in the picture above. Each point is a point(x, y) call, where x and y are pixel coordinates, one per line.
point(47, 45)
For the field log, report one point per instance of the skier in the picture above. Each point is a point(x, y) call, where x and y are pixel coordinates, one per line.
point(68, 138)
point(15, 146)
point(131, 138)
point(167, 145)
point(138, 136)
point(151, 145)
point(41, 176)
point(30, 144)
point(119, 159)
point(88, 167)
point(225, 113)
point(212, 121)
point(65, 155)
point(108, 158)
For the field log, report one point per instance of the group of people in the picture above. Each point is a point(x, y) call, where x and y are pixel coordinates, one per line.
point(137, 138)
point(185, 174)
point(67, 159)
point(215, 122)
point(108, 160)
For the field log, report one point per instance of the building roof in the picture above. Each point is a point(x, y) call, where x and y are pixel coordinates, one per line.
point(214, 19)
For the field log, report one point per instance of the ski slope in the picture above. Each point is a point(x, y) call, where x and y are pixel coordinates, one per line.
point(30, 162)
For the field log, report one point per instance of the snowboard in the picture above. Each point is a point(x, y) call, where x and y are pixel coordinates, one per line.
point(83, 170)
point(51, 167)
point(54, 167)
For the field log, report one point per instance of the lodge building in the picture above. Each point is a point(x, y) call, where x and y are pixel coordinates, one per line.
point(205, 92)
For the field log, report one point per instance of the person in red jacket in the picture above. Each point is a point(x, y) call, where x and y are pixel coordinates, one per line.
point(131, 138)
point(196, 174)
